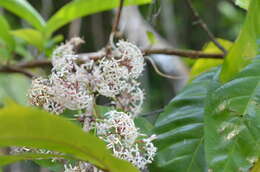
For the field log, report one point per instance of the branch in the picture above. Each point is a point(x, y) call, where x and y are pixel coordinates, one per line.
point(20, 67)
point(155, 112)
point(10, 69)
point(96, 55)
point(204, 26)
point(33, 64)
point(184, 53)
point(117, 17)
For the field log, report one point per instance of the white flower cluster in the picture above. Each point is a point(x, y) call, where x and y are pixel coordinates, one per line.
point(75, 84)
point(131, 57)
point(44, 96)
point(72, 84)
point(63, 89)
point(123, 138)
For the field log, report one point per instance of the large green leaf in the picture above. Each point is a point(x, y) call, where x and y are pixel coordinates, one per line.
point(232, 121)
point(24, 126)
point(245, 47)
point(79, 8)
point(24, 10)
point(179, 130)
point(5, 35)
point(32, 36)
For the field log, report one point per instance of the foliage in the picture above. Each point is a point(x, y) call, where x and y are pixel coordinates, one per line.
point(245, 47)
point(179, 130)
point(230, 114)
point(211, 125)
point(6, 38)
point(231, 121)
point(9, 88)
point(38, 129)
point(41, 33)
point(204, 65)
point(79, 8)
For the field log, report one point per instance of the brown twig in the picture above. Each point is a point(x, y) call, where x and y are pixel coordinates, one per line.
point(184, 53)
point(10, 69)
point(204, 26)
point(117, 17)
point(35, 63)
point(155, 112)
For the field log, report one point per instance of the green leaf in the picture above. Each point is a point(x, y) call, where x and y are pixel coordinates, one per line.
point(151, 37)
point(33, 37)
point(245, 47)
point(204, 65)
point(243, 3)
point(14, 86)
point(232, 120)
point(5, 35)
point(24, 126)
point(9, 159)
point(80, 8)
point(144, 125)
point(24, 10)
point(179, 130)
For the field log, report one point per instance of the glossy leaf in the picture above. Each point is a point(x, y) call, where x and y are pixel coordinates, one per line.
point(24, 10)
point(179, 130)
point(245, 47)
point(80, 8)
point(32, 36)
point(24, 126)
point(204, 65)
point(5, 35)
point(232, 120)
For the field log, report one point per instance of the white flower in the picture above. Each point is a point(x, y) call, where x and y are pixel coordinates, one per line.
point(130, 99)
point(65, 50)
point(131, 57)
point(110, 78)
point(122, 137)
point(64, 67)
point(73, 95)
point(41, 94)
point(120, 123)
